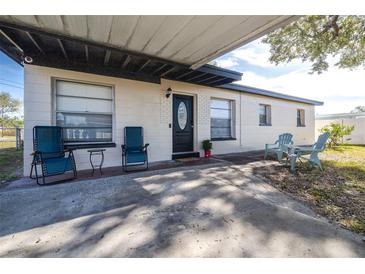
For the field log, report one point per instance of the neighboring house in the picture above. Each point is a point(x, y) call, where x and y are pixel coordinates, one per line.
point(357, 120)
point(159, 80)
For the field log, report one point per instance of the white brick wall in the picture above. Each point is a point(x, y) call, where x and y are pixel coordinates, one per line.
point(145, 104)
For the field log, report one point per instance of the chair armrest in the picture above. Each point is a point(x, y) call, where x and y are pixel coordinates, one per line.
point(271, 145)
point(145, 146)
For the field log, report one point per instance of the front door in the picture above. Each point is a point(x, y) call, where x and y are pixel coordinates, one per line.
point(183, 126)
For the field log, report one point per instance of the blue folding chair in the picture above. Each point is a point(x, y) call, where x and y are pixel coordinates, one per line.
point(50, 154)
point(134, 151)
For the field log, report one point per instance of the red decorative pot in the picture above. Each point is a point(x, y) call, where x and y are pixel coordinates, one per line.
point(207, 153)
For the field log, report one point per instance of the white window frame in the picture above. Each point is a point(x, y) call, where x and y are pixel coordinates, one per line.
point(54, 105)
point(232, 124)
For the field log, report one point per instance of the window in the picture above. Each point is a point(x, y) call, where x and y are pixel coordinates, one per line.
point(300, 118)
point(265, 115)
point(221, 119)
point(85, 111)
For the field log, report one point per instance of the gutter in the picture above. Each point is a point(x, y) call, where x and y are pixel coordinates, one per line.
point(269, 93)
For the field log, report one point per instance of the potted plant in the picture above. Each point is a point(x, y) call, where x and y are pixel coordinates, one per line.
point(207, 146)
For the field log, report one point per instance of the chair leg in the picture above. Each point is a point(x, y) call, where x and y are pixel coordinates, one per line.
point(279, 155)
point(293, 160)
point(31, 171)
point(37, 177)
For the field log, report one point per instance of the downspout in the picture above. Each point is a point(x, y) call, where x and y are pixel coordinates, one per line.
point(240, 119)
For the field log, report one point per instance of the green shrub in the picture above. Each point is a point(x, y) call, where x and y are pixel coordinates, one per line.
point(207, 145)
point(337, 131)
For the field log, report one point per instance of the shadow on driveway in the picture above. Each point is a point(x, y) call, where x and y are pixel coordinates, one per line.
point(199, 211)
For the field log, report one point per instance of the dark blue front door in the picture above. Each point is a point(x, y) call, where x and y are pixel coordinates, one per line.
point(183, 127)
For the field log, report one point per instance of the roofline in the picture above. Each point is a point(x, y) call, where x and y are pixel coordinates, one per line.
point(339, 115)
point(234, 75)
point(268, 93)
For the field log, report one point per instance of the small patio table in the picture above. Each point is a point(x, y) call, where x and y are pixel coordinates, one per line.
point(293, 149)
point(93, 152)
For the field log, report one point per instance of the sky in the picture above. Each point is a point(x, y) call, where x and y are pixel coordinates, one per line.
point(341, 90)
point(11, 78)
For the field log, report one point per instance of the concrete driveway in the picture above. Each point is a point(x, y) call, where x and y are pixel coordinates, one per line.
point(218, 210)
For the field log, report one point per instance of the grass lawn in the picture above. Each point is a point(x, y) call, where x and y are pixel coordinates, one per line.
point(337, 193)
point(11, 162)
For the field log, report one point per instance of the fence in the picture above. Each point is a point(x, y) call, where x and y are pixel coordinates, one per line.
point(357, 137)
point(11, 137)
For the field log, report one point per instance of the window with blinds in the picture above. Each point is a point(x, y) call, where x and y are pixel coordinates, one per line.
point(85, 111)
point(300, 118)
point(220, 119)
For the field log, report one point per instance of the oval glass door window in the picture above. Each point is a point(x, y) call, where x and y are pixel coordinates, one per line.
point(182, 115)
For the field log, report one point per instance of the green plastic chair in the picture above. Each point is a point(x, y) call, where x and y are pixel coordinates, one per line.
point(280, 146)
point(309, 154)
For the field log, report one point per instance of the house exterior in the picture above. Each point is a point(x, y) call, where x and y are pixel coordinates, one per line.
point(94, 90)
point(357, 120)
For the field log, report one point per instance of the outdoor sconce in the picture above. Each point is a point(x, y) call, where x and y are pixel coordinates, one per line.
point(168, 92)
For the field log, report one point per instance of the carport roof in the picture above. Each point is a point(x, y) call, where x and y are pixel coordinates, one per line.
point(145, 48)
point(188, 40)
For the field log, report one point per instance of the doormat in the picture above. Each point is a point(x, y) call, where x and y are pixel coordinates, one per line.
point(188, 159)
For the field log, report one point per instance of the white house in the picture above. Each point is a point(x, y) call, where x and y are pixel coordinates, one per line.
point(95, 75)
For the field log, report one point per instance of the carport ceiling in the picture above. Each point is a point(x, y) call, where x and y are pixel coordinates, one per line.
point(189, 40)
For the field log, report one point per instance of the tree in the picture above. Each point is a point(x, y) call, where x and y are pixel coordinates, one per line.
point(8, 105)
point(315, 38)
point(337, 131)
point(358, 109)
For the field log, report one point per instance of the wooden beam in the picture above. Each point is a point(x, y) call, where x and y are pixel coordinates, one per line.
point(167, 71)
point(107, 57)
point(126, 61)
point(208, 79)
point(11, 55)
point(185, 74)
point(195, 77)
point(144, 65)
point(34, 42)
point(87, 53)
point(159, 68)
point(11, 41)
point(82, 66)
point(62, 48)
point(215, 81)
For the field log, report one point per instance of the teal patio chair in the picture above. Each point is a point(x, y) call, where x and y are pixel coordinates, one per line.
point(49, 153)
point(308, 153)
point(279, 146)
point(134, 151)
